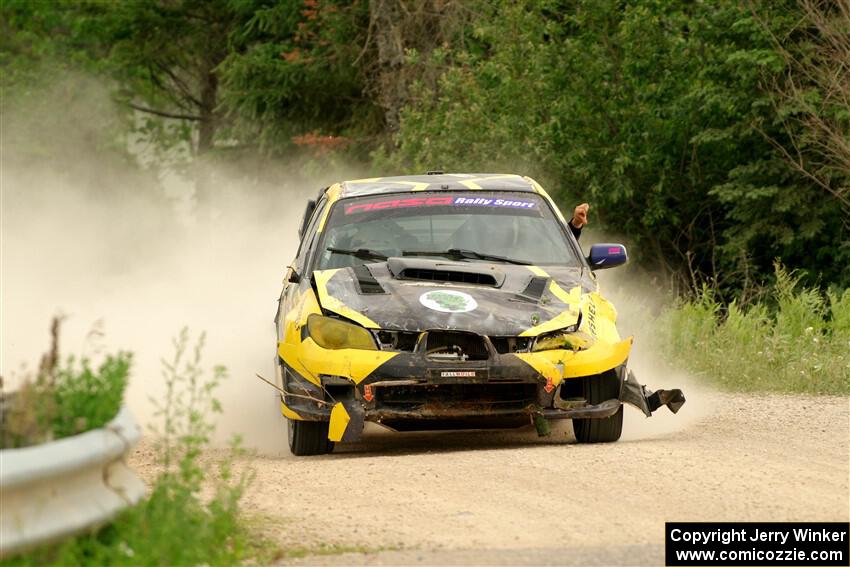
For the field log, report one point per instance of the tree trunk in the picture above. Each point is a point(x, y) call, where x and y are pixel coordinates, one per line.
point(207, 124)
point(386, 21)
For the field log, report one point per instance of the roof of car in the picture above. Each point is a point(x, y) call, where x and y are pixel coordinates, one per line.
point(436, 182)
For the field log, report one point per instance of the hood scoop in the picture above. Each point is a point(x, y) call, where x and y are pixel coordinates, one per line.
point(366, 282)
point(423, 269)
point(534, 290)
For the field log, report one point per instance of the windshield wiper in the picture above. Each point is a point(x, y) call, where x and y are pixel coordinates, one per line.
point(362, 253)
point(464, 254)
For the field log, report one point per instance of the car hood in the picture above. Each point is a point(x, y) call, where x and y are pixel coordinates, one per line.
point(418, 294)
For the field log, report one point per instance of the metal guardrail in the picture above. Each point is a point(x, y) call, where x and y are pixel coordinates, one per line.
point(67, 486)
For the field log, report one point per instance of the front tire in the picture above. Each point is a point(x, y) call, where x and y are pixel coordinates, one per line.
point(597, 389)
point(308, 437)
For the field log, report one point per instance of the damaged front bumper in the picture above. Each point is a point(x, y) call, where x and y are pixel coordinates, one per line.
point(510, 397)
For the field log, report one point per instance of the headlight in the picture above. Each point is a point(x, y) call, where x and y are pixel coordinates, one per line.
point(336, 334)
point(566, 338)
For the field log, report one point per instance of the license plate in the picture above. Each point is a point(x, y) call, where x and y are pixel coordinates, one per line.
point(458, 374)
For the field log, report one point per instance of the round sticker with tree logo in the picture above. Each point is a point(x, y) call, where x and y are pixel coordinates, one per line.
point(448, 301)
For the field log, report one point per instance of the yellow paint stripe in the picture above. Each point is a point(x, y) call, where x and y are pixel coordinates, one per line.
point(570, 298)
point(331, 303)
point(564, 319)
point(556, 365)
point(355, 364)
point(497, 176)
point(589, 362)
point(473, 183)
point(333, 193)
point(288, 413)
point(413, 184)
point(289, 353)
point(549, 364)
point(540, 190)
point(339, 421)
point(310, 360)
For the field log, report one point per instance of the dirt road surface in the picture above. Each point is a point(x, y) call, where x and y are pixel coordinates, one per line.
point(511, 498)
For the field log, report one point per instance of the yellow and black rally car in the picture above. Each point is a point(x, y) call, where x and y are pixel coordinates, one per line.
point(448, 301)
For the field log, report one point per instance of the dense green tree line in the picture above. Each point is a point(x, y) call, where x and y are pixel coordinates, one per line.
point(711, 135)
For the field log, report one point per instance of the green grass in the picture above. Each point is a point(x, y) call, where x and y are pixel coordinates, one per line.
point(175, 525)
point(796, 339)
point(65, 397)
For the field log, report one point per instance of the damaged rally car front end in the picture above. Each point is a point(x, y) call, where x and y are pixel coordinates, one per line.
point(448, 302)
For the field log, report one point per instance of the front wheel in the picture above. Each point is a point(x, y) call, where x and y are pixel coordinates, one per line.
point(597, 389)
point(308, 437)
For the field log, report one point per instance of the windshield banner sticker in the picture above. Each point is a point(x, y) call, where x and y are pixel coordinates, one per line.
point(448, 301)
point(398, 203)
point(444, 201)
point(485, 202)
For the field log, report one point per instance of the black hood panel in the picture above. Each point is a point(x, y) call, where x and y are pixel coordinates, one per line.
point(512, 300)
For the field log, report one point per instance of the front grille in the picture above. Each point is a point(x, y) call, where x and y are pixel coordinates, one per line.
point(404, 341)
point(508, 345)
point(450, 345)
point(447, 276)
point(481, 396)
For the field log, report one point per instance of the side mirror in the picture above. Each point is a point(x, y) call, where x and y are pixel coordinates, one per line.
point(604, 256)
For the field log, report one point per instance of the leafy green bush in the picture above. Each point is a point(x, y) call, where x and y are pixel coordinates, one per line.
point(87, 399)
point(662, 115)
point(176, 525)
point(65, 398)
point(795, 340)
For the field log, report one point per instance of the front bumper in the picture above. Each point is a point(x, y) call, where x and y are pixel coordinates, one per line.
point(403, 393)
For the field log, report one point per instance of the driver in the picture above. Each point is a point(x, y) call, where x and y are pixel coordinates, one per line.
point(579, 219)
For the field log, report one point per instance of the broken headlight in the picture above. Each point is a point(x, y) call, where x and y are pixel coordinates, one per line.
point(335, 334)
point(567, 338)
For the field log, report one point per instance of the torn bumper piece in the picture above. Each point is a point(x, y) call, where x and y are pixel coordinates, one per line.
point(632, 393)
point(647, 401)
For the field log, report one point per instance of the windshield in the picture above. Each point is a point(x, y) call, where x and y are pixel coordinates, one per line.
point(476, 226)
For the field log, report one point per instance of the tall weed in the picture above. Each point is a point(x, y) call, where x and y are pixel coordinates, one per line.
point(66, 397)
point(177, 524)
point(797, 339)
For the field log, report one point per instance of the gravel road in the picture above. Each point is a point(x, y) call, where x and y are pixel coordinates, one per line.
point(511, 498)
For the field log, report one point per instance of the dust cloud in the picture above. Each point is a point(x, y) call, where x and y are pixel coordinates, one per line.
point(136, 255)
point(639, 300)
point(142, 267)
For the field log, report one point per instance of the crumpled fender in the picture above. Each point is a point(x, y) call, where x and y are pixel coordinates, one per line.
point(310, 360)
point(352, 363)
point(556, 365)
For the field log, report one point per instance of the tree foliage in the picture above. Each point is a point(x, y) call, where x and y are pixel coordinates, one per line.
point(710, 135)
point(656, 113)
